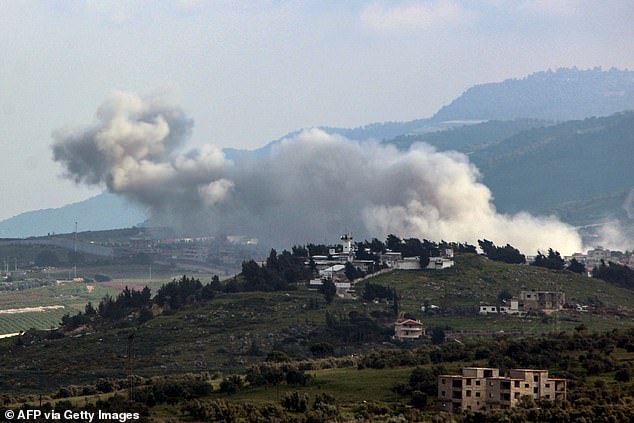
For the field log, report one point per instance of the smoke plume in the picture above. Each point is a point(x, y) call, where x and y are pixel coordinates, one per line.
point(311, 187)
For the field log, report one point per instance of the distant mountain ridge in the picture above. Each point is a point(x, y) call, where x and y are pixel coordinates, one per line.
point(564, 94)
point(103, 211)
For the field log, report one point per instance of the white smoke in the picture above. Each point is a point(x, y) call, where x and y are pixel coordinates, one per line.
point(308, 188)
point(614, 235)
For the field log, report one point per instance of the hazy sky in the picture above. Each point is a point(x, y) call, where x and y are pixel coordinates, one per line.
point(249, 72)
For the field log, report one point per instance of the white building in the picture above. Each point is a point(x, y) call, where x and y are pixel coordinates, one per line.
point(332, 271)
point(408, 263)
point(512, 307)
point(408, 329)
point(439, 263)
point(348, 248)
point(488, 309)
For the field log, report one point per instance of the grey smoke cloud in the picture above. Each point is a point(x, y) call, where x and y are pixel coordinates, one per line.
point(309, 188)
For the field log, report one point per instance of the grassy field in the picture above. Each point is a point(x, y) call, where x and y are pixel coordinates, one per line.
point(348, 385)
point(218, 335)
point(74, 296)
point(14, 323)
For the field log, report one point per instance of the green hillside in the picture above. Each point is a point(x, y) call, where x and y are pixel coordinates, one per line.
point(234, 330)
point(542, 168)
point(475, 279)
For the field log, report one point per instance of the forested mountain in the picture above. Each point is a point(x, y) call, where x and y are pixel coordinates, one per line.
point(563, 94)
point(543, 168)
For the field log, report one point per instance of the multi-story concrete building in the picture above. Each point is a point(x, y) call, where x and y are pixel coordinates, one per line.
point(542, 300)
point(484, 389)
point(405, 329)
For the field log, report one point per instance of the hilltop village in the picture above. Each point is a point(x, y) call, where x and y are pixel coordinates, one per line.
point(459, 320)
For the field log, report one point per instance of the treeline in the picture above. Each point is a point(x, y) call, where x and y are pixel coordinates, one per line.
point(408, 247)
point(280, 272)
point(614, 273)
point(136, 306)
point(509, 254)
point(506, 254)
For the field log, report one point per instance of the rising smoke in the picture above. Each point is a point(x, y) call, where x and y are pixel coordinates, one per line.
point(308, 188)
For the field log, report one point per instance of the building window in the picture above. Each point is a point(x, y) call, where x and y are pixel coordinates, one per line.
point(442, 393)
point(548, 385)
point(468, 393)
point(477, 394)
point(517, 383)
point(547, 396)
point(477, 383)
point(468, 381)
point(526, 385)
point(536, 378)
point(516, 395)
point(536, 390)
point(443, 381)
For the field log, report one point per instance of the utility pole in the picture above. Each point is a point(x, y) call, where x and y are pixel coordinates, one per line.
point(130, 368)
point(75, 250)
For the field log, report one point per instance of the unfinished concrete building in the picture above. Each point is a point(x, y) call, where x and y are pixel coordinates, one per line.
point(479, 388)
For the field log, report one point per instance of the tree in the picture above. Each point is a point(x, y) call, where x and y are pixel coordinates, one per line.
point(299, 251)
point(295, 402)
point(623, 375)
point(322, 349)
point(393, 242)
point(615, 274)
point(89, 310)
point(576, 266)
point(231, 385)
point(507, 254)
point(376, 246)
point(351, 272)
point(396, 304)
point(552, 261)
point(372, 291)
point(272, 262)
point(419, 399)
point(437, 335)
point(423, 380)
point(329, 290)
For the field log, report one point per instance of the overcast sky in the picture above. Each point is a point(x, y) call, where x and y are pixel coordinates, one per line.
point(249, 72)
